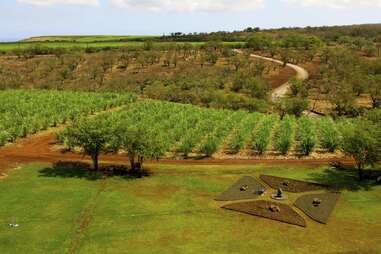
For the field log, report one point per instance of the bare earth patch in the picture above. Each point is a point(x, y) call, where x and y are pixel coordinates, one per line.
point(245, 188)
point(318, 207)
point(270, 210)
point(291, 185)
point(3, 176)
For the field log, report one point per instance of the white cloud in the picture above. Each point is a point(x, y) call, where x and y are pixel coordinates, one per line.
point(53, 2)
point(337, 3)
point(189, 5)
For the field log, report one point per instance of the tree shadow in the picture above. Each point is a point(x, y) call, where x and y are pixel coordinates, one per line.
point(341, 177)
point(83, 170)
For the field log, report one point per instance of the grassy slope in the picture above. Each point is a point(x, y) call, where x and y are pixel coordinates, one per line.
point(87, 38)
point(22, 45)
point(171, 211)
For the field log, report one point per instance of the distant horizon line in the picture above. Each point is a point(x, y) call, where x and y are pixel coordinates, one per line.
point(20, 38)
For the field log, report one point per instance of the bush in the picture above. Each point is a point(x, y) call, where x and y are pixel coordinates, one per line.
point(4, 137)
point(285, 135)
point(209, 147)
point(363, 143)
point(329, 135)
point(307, 135)
point(263, 135)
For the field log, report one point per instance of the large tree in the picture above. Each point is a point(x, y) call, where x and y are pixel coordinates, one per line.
point(91, 135)
point(362, 142)
point(139, 143)
point(374, 89)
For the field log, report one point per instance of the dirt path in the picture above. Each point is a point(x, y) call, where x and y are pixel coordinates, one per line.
point(282, 90)
point(42, 148)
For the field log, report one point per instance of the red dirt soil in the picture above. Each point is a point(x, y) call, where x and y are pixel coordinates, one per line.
point(40, 148)
point(282, 77)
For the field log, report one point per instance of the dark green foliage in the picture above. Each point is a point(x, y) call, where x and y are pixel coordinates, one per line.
point(91, 135)
point(363, 143)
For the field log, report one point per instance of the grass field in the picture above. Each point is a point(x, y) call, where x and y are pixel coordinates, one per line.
point(63, 210)
point(9, 46)
point(88, 38)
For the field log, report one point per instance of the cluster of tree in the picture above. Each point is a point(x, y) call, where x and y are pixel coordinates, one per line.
point(202, 37)
point(297, 101)
point(362, 141)
point(328, 34)
point(98, 135)
point(344, 76)
point(211, 76)
point(359, 138)
point(263, 41)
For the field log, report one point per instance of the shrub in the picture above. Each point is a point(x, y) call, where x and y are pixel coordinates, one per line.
point(285, 134)
point(209, 147)
point(329, 135)
point(263, 134)
point(4, 137)
point(307, 135)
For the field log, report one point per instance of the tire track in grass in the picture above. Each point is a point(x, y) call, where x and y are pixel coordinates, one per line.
point(85, 220)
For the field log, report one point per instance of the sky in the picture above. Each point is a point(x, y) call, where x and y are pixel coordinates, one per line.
point(25, 18)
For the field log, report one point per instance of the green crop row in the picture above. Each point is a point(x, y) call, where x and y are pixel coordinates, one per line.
point(24, 112)
point(185, 129)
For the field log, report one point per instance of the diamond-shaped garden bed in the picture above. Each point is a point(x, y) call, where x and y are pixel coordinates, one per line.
point(271, 210)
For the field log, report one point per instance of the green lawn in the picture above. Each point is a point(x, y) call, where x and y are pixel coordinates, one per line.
point(64, 210)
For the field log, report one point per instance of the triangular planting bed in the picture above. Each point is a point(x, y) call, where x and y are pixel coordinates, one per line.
point(269, 210)
point(318, 207)
point(245, 188)
point(291, 185)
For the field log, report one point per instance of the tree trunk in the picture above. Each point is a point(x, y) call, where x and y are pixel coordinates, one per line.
point(94, 157)
point(361, 172)
point(140, 162)
point(132, 161)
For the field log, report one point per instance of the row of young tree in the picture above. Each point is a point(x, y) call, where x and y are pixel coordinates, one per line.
point(25, 112)
point(150, 130)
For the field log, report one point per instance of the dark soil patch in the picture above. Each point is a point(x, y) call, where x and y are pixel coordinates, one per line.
point(269, 210)
point(318, 207)
point(291, 185)
point(245, 188)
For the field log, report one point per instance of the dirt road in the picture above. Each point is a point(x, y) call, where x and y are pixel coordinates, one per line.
point(42, 148)
point(281, 91)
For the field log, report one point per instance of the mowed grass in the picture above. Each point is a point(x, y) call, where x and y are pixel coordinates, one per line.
point(172, 211)
point(9, 46)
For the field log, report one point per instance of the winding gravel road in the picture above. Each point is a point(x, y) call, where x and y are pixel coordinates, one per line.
point(281, 91)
